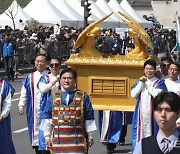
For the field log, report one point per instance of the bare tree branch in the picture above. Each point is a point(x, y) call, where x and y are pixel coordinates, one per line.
point(10, 12)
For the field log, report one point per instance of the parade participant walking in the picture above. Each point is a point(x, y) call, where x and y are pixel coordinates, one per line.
point(7, 55)
point(48, 84)
point(126, 120)
point(68, 117)
point(165, 63)
point(113, 127)
point(51, 82)
point(30, 97)
point(173, 83)
point(144, 90)
point(6, 92)
point(166, 111)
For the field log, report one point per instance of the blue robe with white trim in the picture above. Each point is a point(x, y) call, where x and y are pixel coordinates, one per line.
point(31, 102)
point(6, 143)
point(88, 110)
point(67, 99)
point(137, 130)
point(110, 124)
point(44, 96)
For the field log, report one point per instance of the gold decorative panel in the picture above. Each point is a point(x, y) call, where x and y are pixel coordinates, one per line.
point(109, 86)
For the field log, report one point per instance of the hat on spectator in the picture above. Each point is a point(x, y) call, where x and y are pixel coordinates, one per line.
point(52, 36)
point(33, 36)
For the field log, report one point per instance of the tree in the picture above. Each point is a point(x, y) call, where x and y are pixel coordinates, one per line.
point(12, 11)
point(32, 24)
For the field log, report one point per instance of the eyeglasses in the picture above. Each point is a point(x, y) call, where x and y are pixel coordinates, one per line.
point(165, 65)
point(54, 65)
point(173, 69)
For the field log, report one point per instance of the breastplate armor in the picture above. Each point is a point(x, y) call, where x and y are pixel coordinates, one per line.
point(68, 125)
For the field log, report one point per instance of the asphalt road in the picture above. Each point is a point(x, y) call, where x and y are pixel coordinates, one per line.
point(20, 132)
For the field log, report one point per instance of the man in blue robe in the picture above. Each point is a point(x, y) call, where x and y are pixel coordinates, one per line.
point(144, 90)
point(30, 97)
point(69, 116)
point(110, 127)
point(6, 92)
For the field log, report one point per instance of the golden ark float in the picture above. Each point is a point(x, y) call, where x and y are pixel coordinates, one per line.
point(108, 80)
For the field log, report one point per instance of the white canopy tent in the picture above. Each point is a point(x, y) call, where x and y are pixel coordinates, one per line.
point(47, 14)
point(115, 6)
point(96, 13)
point(18, 14)
point(66, 9)
point(109, 22)
point(106, 9)
point(124, 4)
point(95, 10)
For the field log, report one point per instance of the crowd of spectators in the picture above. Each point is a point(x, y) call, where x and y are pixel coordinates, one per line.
point(42, 40)
point(164, 42)
point(59, 40)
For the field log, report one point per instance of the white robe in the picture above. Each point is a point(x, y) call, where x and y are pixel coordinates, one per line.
point(36, 105)
point(173, 86)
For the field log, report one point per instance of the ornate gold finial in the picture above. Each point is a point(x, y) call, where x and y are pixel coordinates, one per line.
point(140, 37)
point(87, 38)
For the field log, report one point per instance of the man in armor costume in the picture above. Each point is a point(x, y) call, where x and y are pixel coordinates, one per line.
point(68, 120)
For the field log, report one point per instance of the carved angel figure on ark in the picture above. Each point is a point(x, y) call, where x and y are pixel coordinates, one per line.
point(140, 37)
point(87, 38)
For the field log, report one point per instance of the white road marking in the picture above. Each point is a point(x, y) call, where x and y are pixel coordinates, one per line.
point(20, 130)
point(17, 93)
point(15, 99)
